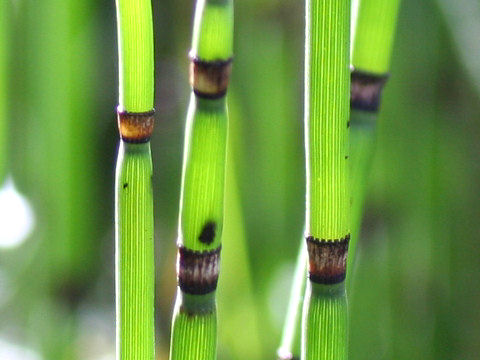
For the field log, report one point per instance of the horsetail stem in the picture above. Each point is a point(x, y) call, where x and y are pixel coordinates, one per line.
point(327, 84)
point(376, 23)
point(134, 196)
point(372, 48)
point(135, 55)
point(194, 327)
point(374, 34)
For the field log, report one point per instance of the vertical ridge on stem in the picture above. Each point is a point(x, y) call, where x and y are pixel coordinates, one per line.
point(194, 324)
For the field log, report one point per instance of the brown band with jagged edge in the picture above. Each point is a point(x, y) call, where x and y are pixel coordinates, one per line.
point(327, 260)
point(197, 270)
point(366, 90)
point(135, 127)
point(209, 79)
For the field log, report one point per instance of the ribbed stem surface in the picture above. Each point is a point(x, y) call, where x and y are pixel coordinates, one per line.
point(194, 329)
point(204, 172)
point(327, 86)
point(374, 34)
point(325, 319)
point(213, 30)
point(135, 54)
point(134, 253)
point(327, 90)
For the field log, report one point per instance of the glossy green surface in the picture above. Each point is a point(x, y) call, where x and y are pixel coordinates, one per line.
point(374, 35)
point(327, 90)
point(194, 328)
point(325, 318)
point(213, 30)
point(135, 54)
point(202, 198)
point(134, 253)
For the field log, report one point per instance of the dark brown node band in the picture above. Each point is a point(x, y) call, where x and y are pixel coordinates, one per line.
point(327, 260)
point(197, 270)
point(135, 127)
point(366, 90)
point(209, 79)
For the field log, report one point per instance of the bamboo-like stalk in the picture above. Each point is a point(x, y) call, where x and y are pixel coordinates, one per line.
point(134, 197)
point(194, 325)
point(374, 35)
point(327, 85)
point(372, 48)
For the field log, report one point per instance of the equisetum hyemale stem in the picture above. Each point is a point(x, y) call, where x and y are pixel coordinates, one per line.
point(327, 85)
point(372, 47)
point(134, 195)
point(194, 327)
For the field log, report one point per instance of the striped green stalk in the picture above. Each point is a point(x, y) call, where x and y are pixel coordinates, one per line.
point(134, 198)
point(4, 36)
point(374, 34)
point(194, 327)
point(362, 136)
point(372, 48)
point(325, 328)
point(327, 85)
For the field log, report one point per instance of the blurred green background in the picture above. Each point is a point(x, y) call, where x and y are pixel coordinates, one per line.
point(417, 285)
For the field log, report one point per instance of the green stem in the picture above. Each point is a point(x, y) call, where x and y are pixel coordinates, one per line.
point(327, 88)
point(194, 327)
point(134, 259)
point(372, 48)
point(326, 116)
point(134, 195)
point(325, 318)
point(374, 35)
point(135, 55)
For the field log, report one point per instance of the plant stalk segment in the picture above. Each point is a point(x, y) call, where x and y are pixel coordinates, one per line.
point(372, 48)
point(325, 322)
point(371, 55)
point(134, 194)
point(327, 90)
point(194, 328)
point(134, 253)
point(374, 35)
point(135, 55)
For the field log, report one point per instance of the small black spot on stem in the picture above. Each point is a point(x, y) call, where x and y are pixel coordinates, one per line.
point(125, 185)
point(208, 233)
